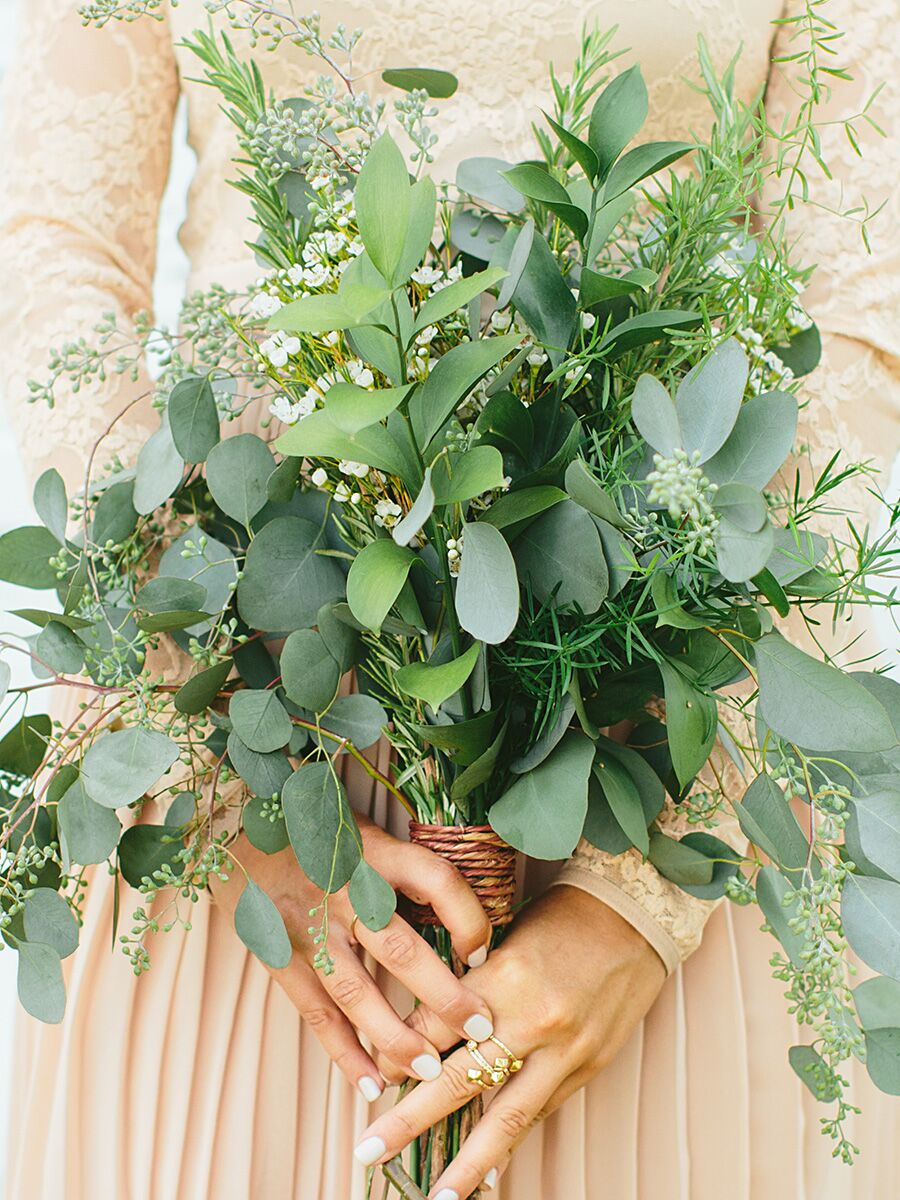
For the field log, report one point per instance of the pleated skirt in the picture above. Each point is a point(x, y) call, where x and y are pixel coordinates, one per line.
point(198, 1081)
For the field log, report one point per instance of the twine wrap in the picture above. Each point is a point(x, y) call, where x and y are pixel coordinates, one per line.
point(483, 859)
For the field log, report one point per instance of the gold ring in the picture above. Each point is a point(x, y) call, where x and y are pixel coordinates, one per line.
point(490, 1075)
point(352, 929)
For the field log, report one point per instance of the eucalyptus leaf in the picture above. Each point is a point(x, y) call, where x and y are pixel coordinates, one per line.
point(159, 471)
point(146, 849)
point(810, 1067)
point(518, 261)
point(193, 418)
point(585, 490)
point(42, 992)
point(440, 85)
point(624, 800)
point(740, 555)
point(814, 704)
point(479, 771)
point(260, 719)
point(771, 893)
point(265, 834)
point(91, 831)
point(261, 928)
point(542, 813)
point(358, 718)
point(237, 474)
point(759, 443)
point(487, 589)
point(883, 1059)
point(373, 899)
point(766, 818)
point(654, 415)
point(199, 692)
point(878, 822)
point(119, 768)
point(561, 556)
point(870, 912)
point(60, 649)
point(484, 178)
point(309, 672)
point(679, 862)
point(264, 774)
point(877, 1002)
point(49, 919)
point(203, 559)
point(25, 555)
point(708, 399)
point(51, 503)
point(321, 826)
point(285, 579)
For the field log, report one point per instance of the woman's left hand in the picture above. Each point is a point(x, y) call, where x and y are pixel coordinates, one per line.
point(567, 987)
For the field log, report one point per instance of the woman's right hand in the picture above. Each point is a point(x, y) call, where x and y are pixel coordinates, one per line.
point(347, 1000)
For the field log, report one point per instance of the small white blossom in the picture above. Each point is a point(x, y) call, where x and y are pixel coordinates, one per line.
point(348, 467)
point(317, 276)
point(588, 320)
point(319, 183)
point(427, 336)
point(387, 513)
point(360, 374)
point(342, 493)
point(282, 409)
point(537, 358)
point(319, 476)
point(453, 274)
point(426, 276)
point(278, 348)
point(295, 274)
point(501, 320)
point(264, 304)
point(332, 339)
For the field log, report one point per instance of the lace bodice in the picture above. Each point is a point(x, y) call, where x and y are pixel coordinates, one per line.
point(86, 150)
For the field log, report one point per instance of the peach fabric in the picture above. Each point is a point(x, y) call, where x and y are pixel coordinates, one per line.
point(198, 1080)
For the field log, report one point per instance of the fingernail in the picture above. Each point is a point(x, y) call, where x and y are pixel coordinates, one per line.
point(490, 1180)
point(478, 1028)
point(369, 1151)
point(427, 1067)
point(447, 1194)
point(478, 957)
point(370, 1088)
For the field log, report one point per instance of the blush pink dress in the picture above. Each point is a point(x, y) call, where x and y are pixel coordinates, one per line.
point(198, 1081)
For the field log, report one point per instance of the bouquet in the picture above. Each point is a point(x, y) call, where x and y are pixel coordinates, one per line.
point(525, 470)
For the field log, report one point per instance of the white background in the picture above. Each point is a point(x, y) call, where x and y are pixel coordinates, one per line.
point(15, 502)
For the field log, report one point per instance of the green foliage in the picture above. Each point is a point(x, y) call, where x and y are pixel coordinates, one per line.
point(261, 928)
point(543, 812)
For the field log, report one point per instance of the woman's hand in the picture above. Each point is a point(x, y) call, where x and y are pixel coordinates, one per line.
point(348, 999)
point(567, 987)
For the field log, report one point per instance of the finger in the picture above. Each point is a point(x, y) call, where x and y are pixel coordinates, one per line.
point(428, 1103)
point(358, 996)
point(426, 878)
point(331, 1027)
point(506, 1122)
point(432, 1028)
point(415, 964)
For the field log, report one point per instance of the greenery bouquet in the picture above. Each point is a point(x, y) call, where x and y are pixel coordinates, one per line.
point(528, 476)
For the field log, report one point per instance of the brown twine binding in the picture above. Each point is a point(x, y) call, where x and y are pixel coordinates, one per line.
point(483, 859)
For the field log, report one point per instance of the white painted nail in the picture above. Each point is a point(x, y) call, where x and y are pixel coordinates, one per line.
point(447, 1194)
point(478, 957)
point(478, 1028)
point(490, 1180)
point(369, 1151)
point(426, 1066)
point(370, 1088)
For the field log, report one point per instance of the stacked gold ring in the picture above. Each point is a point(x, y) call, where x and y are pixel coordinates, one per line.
point(490, 1075)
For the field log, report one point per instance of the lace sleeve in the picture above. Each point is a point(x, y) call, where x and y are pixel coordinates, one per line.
point(851, 404)
point(85, 148)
